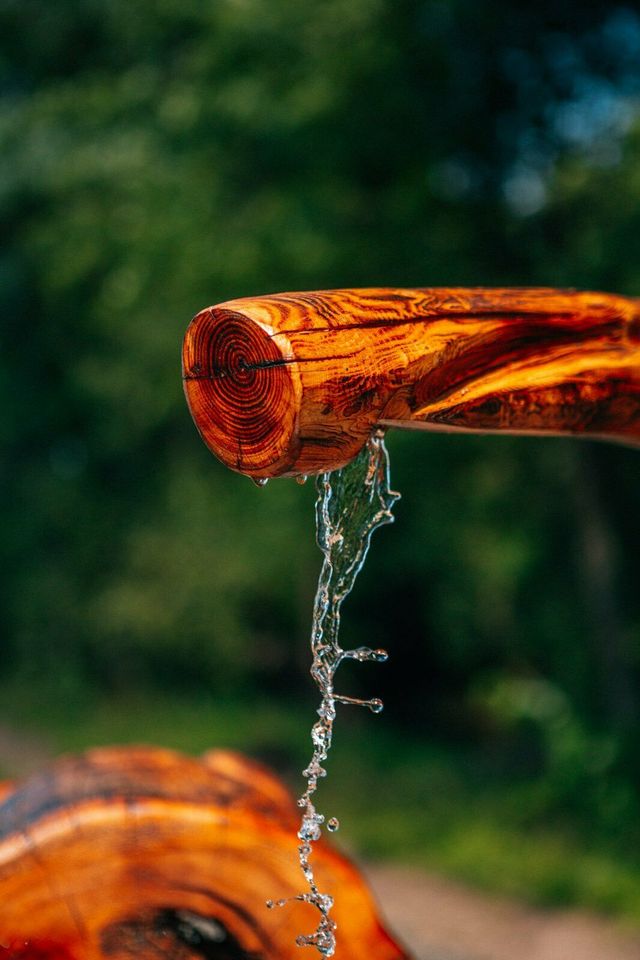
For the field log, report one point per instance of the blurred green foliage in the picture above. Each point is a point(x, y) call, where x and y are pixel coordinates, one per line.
point(159, 156)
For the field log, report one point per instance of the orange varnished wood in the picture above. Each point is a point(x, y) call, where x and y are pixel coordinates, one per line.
point(143, 853)
point(295, 383)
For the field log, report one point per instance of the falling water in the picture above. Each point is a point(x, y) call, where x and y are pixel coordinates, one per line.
point(352, 503)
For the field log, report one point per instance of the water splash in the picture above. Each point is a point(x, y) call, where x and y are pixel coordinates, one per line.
point(352, 503)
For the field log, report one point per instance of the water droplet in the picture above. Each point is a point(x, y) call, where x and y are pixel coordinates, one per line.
point(309, 829)
point(333, 824)
point(302, 478)
point(260, 481)
point(376, 706)
point(313, 772)
point(279, 903)
point(327, 711)
point(320, 735)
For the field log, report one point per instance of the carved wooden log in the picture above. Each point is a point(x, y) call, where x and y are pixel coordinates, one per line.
point(143, 853)
point(295, 383)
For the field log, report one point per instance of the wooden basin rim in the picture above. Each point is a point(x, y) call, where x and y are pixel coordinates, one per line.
point(139, 853)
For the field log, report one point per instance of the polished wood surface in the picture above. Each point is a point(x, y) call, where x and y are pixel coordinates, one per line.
point(295, 383)
point(143, 853)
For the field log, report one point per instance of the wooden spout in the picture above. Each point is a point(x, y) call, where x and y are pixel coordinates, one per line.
point(294, 383)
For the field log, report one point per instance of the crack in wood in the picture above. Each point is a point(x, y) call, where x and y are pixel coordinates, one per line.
point(219, 373)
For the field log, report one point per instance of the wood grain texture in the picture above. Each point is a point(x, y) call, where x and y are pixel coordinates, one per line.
point(294, 383)
point(143, 853)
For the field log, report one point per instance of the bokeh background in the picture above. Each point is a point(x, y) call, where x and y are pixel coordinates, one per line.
point(162, 155)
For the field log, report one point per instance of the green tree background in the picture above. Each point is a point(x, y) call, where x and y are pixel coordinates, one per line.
point(160, 156)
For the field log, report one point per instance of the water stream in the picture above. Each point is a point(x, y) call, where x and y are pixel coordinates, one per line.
point(352, 503)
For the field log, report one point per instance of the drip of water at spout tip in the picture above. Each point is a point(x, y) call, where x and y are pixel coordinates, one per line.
point(260, 481)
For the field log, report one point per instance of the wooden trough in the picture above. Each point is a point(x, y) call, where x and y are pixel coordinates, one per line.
point(144, 853)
